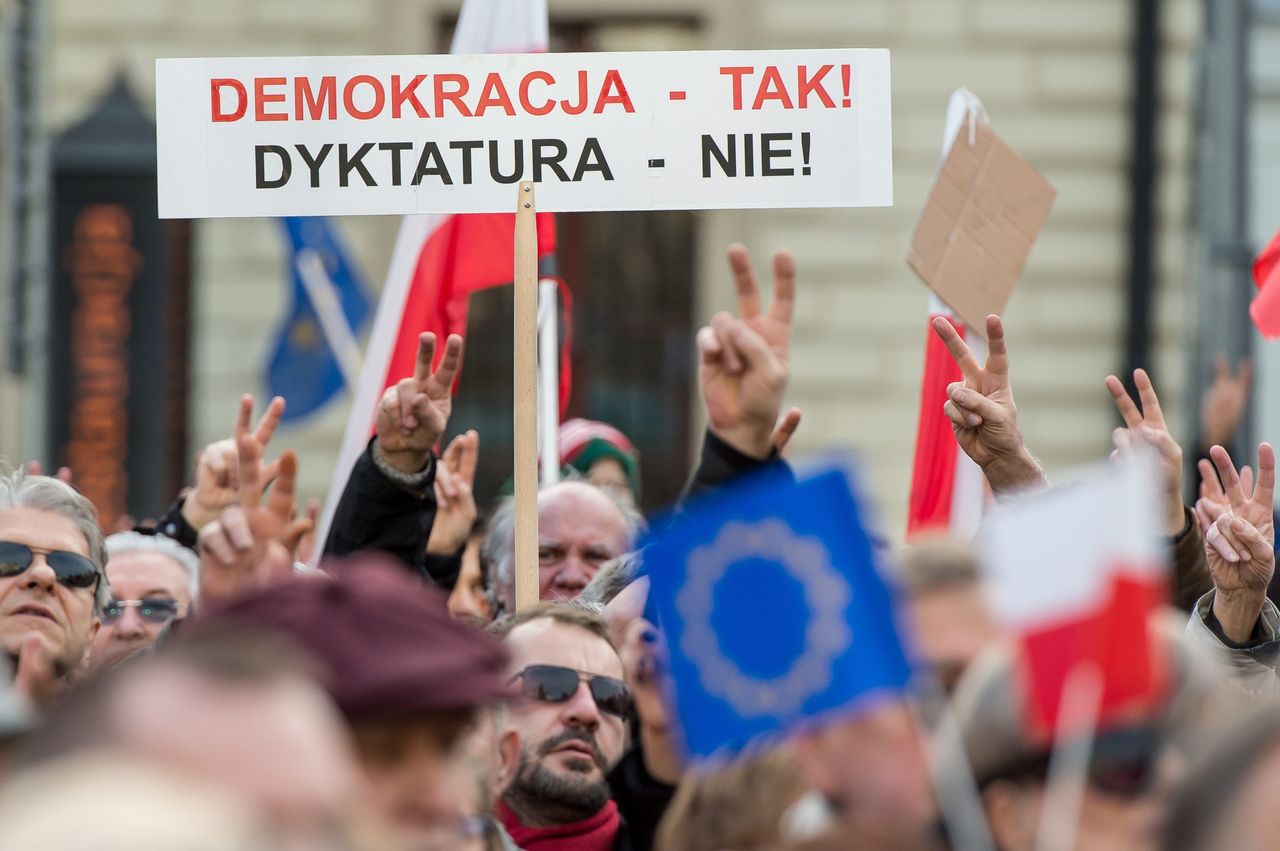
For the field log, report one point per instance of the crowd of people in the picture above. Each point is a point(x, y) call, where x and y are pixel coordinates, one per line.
point(190, 684)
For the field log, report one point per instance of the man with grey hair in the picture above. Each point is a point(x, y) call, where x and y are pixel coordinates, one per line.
point(154, 580)
point(53, 582)
point(580, 527)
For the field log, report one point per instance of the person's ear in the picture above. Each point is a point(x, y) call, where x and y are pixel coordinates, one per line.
point(1012, 814)
point(508, 757)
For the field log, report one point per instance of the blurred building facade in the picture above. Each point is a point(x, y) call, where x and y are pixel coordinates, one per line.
point(1056, 78)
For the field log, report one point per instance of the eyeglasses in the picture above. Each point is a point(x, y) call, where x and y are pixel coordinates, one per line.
point(556, 684)
point(1124, 761)
point(158, 610)
point(72, 569)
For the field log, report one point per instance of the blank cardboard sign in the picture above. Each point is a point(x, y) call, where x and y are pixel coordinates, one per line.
point(978, 224)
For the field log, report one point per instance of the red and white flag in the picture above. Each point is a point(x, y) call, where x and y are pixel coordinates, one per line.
point(1265, 308)
point(1076, 572)
point(947, 488)
point(439, 260)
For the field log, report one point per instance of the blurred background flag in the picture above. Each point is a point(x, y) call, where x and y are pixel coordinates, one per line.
point(774, 609)
point(316, 351)
point(1265, 308)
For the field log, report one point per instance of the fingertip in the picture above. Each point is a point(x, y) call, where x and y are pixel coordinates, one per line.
point(784, 263)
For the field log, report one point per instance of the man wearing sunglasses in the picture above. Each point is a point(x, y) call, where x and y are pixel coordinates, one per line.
point(572, 728)
point(154, 580)
point(52, 580)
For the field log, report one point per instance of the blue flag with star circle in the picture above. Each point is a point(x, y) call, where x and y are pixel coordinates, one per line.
point(303, 367)
point(774, 609)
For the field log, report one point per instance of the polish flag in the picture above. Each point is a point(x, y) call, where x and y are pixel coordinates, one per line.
point(1265, 309)
point(439, 260)
point(947, 488)
point(1075, 572)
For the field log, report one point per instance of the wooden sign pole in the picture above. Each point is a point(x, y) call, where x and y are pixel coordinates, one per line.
point(526, 402)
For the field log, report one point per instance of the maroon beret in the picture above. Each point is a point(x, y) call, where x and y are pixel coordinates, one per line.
point(384, 640)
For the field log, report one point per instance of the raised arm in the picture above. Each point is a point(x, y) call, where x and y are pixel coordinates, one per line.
point(743, 370)
point(389, 502)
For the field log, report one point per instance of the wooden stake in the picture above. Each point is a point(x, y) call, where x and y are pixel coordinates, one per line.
point(526, 401)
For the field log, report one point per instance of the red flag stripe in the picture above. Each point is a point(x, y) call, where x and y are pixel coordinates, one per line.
point(934, 468)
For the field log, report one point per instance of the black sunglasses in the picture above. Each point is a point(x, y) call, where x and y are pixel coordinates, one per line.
point(72, 569)
point(157, 610)
point(556, 684)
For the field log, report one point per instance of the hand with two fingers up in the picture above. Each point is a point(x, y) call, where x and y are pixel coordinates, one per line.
point(1240, 545)
point(982, 412)
point(414, 412)
point(744, 360)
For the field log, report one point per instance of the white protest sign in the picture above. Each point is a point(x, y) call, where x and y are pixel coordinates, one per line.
point(455, 134)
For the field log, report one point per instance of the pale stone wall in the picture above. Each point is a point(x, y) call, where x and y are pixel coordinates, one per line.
point(1055, 77)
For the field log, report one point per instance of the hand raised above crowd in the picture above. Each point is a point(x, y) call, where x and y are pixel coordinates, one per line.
point(1148, 427)
point(218, 477)
point(982, 411)
point(1225, 401)
point(1213, 501)
point(1240, 545)
point(414, 412)
point(455, 501)
point(253, 541)
point(744, 358)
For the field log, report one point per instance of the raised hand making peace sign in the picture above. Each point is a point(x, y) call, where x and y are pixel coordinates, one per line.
point(218, 467)
point(1148, 426)
point(252, 542)
point(744, 359)
point(1240, 545)
point(982, 412)
point(414, 412)
point(455, 501)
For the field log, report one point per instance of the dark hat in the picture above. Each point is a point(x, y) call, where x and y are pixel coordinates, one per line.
point(383, 640)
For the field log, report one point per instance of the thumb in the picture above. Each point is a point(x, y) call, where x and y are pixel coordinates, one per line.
point(750, 345)
point(786, 427)
point(35, 677)
point(295, 531)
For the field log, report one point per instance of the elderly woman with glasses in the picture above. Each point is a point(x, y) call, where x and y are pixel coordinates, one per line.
point(154, 580)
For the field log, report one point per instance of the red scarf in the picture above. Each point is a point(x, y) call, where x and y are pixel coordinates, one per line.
point(597, 833)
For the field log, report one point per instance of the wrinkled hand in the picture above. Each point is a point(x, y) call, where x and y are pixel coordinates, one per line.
point(1213, 501)
point(252, 543)
point(1240, 545)
point(744, 359)
point(455, 502)
point(1225, 401)
point(1148, 427)
point(218, 466)
point(982, 412)
point(414, 412)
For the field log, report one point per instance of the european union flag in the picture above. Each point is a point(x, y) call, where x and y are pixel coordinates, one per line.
point(774, 609)
point(303, 367)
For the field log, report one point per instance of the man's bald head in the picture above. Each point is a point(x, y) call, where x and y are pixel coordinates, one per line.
point(580, 527)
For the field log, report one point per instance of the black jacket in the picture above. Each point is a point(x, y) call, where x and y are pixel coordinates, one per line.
point(377, 514)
